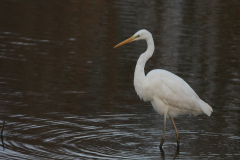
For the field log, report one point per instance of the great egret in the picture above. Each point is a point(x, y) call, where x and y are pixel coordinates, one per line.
point(169, 94)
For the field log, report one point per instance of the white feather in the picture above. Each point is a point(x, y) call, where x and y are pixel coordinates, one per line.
point(168, 93)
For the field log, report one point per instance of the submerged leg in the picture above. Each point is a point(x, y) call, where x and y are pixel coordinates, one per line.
point(178, 140)
point(163, 135)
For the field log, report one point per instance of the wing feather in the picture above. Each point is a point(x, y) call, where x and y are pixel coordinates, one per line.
point(172, 90)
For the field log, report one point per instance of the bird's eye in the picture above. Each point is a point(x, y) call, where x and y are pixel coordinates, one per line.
point(138, 36)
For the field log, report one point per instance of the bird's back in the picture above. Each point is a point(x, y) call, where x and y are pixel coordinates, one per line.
point(166, 88)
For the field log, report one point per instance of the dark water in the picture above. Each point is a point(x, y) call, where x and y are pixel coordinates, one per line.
point(65, 93)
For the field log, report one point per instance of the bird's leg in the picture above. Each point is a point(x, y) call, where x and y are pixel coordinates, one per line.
point(178, 139)
point(163, 135)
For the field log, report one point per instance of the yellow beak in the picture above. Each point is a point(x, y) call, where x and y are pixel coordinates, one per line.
point(126, 41)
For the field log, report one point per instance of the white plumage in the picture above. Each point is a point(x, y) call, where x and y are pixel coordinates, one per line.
point(174, 93)
point(169, 94)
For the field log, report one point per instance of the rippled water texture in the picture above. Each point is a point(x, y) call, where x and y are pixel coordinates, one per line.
point(65, 93)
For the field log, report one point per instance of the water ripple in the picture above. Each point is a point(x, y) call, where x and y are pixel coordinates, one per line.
point(76, 138)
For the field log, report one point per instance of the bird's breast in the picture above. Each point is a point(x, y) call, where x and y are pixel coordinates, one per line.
point(141, 89)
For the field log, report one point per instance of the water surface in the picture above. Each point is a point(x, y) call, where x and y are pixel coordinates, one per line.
point(65, 93)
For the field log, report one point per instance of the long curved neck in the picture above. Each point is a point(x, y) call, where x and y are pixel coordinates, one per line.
point(139, 74)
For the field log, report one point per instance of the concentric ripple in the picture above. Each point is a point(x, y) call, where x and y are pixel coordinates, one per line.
point(118, 136)
point(72, 136)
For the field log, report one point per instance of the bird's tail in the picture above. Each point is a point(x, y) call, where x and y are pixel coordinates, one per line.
point(209, 109)
point(206, 108)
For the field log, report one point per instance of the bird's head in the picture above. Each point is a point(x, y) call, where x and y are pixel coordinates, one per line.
point(143, 34)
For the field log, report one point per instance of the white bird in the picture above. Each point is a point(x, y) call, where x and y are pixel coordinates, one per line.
point(169, 94)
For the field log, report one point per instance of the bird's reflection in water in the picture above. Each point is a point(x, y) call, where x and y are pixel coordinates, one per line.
point(163, 153)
